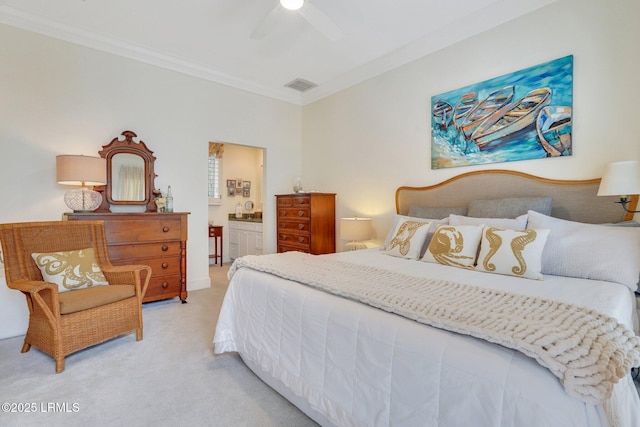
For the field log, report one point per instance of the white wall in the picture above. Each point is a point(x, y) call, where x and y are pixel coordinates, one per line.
point(366, 141)
point(59, 98)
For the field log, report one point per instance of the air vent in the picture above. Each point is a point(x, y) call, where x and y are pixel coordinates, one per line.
point(301, 85)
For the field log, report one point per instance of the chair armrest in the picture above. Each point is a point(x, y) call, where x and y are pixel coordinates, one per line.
point(43, 294)
point(128, 275)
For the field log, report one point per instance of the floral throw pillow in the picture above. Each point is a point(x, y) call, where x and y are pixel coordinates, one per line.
point(70, 270)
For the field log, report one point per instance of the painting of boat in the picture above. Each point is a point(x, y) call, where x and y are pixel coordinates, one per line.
point(493, 102)
point(463, 107)
point(442, 113)
point(521, 115)
point(511, 118)
point(553, 126)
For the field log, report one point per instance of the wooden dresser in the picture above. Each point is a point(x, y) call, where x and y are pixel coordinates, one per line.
point(306, 222)
point(158, 240)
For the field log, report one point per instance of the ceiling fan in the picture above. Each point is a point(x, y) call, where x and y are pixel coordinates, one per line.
point(314, 16)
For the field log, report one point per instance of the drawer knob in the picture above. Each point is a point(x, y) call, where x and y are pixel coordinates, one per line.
point(165, 285)
point(165, 248)
point(301, 239)
point(165, 228)
point(300, 226)
point(283, 237)
point(283, 225)
point(165, 265)
point(300, 213)
point(283, 213)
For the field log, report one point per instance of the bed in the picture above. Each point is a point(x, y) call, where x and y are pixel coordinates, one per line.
point(352, 354)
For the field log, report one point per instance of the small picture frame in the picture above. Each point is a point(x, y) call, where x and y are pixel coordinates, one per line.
point(239, 183)
point(246, 185)
point(231, 183)
point(246, 192)
point(231, 191)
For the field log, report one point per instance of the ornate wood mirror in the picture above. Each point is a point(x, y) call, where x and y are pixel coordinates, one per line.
point(130, 175)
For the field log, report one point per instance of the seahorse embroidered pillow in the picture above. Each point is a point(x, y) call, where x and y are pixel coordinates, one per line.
point(408, 238)
point(456, 246)
point(512, 252)
point(70, 270)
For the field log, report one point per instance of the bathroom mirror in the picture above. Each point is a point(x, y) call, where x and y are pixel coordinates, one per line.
point(130, 176)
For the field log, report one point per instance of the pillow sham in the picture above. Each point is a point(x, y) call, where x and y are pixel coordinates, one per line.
point(435, 212)
point(518, 223)
point(70, 270)
point(408, 238)
point(432, 228)
point(456, 246)
point(589, 251)
point(509, 207)
point(512, 252)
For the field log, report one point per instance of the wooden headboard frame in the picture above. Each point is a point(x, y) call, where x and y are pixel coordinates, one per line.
point(572, 200)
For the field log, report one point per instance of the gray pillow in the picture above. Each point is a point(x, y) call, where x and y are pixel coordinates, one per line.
point(509, 207)
point(435, 213)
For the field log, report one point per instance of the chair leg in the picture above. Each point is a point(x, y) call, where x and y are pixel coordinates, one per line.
point(25, 347)
point(59, 365)
point(139, 334)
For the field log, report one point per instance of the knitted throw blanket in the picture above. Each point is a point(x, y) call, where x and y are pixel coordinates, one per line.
point(588, 351)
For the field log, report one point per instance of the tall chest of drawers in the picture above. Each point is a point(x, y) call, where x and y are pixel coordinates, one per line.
point(158, 240)
point(306, 222)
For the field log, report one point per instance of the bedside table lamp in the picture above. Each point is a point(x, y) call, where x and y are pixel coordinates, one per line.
point(83, 171)
point(621, 179)
point(355, 229)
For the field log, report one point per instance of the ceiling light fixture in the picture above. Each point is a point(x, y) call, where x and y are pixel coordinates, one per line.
point(292, 4)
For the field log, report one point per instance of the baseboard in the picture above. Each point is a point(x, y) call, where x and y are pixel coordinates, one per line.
point(194, 285)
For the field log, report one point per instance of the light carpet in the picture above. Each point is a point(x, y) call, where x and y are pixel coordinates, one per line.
point(171, 377)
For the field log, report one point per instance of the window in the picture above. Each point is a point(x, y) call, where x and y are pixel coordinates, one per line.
point(215, 198)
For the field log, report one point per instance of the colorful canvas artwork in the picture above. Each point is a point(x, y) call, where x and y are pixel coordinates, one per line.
point(519, 116)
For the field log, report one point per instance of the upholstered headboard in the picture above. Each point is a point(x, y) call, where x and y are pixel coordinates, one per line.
point(572, 200)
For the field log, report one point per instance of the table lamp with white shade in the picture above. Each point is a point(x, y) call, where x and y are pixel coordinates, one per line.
point(355, 230)
point(83, 171)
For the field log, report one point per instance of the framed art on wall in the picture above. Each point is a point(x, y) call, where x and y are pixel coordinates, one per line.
point(523, 115)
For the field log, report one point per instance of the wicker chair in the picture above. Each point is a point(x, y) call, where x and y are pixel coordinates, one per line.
point(54, 327)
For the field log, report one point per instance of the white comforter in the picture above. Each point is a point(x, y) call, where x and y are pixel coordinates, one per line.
point(357, 365)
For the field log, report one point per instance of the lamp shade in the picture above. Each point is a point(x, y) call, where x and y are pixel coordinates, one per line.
point(620, 179)
point(355, 228)
point(81, 170)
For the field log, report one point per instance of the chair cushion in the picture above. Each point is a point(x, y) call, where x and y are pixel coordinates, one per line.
point(83, 299)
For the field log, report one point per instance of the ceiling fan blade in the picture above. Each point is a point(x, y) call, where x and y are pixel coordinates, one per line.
point(267, 24)
point(320, 21)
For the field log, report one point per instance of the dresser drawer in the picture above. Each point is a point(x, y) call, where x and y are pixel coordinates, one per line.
point(148, 250)
point(283, 247)
point(294, 201)
point(138, 231)
point(285, 226)
point(294, 239)
point(161, 287)
point(294, 213)
point(159, 266)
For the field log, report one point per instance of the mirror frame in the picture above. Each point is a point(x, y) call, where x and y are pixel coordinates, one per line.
point(128, 145)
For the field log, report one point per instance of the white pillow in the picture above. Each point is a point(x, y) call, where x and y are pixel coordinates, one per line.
point(70, 270)
point(512, 252)
point(408, 238)
point(456, 246)
point(589, 251)
point(518, 223)
point(432, 228)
